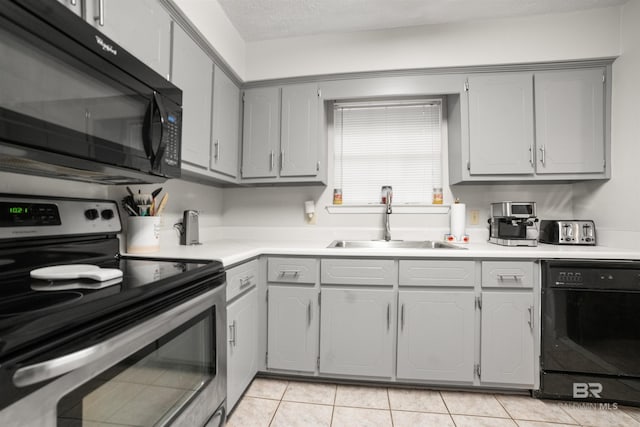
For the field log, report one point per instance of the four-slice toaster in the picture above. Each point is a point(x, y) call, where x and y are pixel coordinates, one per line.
point(567, 232)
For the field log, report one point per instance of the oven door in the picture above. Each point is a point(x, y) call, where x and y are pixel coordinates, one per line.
point(591, 344)
point(64, 103)
point(170, 369)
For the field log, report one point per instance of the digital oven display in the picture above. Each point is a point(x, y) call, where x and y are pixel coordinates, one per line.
point(28, 214)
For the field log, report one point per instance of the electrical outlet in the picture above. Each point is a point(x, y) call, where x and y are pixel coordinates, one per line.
point(474, 217)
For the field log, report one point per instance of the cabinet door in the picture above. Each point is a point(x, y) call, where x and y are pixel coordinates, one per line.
point(570, 121)
point(436, 335)
point(357, 332)
point(261, 132)
point(192, 72)
point(292, 328)
point(299, 139)
point(226, 124)
point(501, 124)
point(242, 345)
point(142, 27)
point(507, 343)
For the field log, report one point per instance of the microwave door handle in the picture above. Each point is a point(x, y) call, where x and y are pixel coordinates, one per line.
point(153, 153)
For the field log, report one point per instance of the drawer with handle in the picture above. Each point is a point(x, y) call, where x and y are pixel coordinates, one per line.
point(507, 274)
point(292, 270)
point(241, 278)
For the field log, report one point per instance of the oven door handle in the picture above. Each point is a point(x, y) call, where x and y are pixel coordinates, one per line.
point(50, 369)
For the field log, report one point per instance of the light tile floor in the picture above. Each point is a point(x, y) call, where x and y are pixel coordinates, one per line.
point(271, 402)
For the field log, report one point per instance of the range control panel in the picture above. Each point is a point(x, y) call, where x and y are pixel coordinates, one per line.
point(27, 217)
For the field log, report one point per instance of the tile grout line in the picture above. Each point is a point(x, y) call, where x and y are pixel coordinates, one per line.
point(389, 402)
point(273, 417)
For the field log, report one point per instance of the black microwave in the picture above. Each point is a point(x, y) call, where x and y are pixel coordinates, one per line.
point(75, 105)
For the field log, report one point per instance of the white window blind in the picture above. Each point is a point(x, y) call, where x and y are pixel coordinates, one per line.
point(397, 144)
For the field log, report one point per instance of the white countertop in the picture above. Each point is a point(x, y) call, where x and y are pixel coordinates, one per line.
point(234, 251)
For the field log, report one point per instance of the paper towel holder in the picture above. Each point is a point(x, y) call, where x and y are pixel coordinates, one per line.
point(459, 237)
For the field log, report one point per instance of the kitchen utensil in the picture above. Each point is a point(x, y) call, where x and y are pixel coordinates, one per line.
point(162, 204)
point(76, 271)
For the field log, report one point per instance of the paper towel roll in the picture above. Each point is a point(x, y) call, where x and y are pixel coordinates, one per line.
point(458, 219)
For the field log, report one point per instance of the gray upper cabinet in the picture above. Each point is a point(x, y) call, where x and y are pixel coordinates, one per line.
point(261, 132)
point(541, 125)
point(192, 72)
point(226, 125)
point(299, 138)
point(142, 27)
point(570, 111)
point(282, 140)
point(501, 124)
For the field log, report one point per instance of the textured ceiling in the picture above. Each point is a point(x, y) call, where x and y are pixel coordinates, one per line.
point(270, 19)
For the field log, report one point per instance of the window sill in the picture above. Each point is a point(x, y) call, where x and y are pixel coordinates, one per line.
point(379, 209)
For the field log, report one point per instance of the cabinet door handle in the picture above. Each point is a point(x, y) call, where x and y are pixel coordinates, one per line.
point(530, 317)
point(294, 273)
point(531, 162)
point(515, 277)
point(272, 159)
point(245, 281)
point(216, 150)
point(232, 333)
point(281, 160)
point(402, 317)
point(542, 155)
point(388, 316)
point(99, 18)
point(309, 312)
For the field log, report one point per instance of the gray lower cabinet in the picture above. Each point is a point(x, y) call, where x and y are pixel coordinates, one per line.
point(292, 341)
point(436, 335)
point(357, 332)
point(242, 344)
point(281, 140)
point(142, 27)
point(191, 71)
point(507, 353)
point(226, 125)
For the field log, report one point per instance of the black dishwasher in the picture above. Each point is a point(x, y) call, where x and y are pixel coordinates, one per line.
point(591, 331)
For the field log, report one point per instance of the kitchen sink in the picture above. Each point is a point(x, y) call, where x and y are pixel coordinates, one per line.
point(392, 244)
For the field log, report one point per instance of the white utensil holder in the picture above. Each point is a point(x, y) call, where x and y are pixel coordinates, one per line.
point(143, 234)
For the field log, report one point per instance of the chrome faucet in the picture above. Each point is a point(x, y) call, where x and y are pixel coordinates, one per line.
point(387, 226)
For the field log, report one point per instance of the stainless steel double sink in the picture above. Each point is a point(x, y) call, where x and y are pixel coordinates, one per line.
point(392, 244)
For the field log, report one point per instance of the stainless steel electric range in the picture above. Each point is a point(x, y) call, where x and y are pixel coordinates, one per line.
point(146, 347)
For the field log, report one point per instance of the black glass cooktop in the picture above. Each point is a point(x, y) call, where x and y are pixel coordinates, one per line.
point(31, 309)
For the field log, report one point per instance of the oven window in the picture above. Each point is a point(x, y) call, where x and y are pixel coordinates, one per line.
point(592, 332)
point(150, 387)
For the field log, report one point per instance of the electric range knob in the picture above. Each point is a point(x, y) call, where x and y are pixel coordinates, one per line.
point(92, 214)
point(107, 214)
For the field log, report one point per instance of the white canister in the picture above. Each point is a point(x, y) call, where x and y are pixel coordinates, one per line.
point(143, 234)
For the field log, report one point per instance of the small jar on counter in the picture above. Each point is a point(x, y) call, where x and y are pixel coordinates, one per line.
point(437, 196)
point(337, 196)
